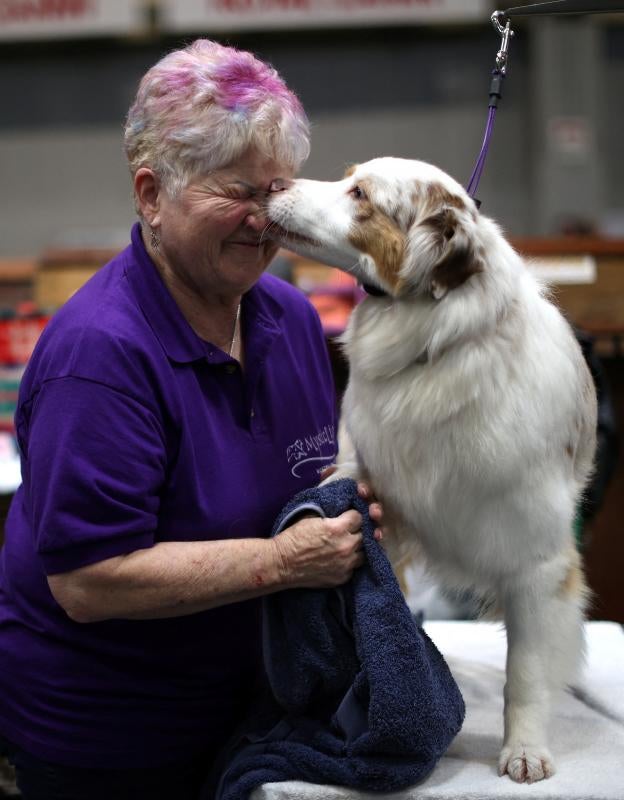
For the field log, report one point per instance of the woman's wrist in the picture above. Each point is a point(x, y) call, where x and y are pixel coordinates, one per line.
point(280, 563)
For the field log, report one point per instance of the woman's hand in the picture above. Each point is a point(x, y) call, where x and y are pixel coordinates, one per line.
point(320, 552)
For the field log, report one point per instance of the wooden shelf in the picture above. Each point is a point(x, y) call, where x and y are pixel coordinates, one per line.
point(17, 278)
point(568, 245)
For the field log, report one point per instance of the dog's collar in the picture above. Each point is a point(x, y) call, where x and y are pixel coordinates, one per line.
point(373, 291)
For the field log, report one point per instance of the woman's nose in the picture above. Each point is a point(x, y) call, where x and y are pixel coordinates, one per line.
point(257, 220)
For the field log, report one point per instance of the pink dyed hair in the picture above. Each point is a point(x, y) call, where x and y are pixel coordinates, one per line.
point(200, 108)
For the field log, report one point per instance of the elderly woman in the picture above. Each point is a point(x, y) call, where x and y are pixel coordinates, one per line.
point(170, 409)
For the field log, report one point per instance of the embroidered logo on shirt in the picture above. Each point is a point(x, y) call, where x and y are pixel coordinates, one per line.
point(319, 446)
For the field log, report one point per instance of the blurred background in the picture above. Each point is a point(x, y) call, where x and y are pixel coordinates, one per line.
point(377, 77)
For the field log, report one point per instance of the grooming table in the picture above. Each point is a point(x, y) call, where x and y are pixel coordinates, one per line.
point(587, 730)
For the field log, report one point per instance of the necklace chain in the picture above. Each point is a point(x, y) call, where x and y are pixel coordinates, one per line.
point(236, 320)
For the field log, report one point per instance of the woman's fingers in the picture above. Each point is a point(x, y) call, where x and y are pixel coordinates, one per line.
point(364, 490)
point(348, 522)
point(375, 508)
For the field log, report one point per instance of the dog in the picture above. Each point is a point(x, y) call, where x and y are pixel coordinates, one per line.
point(469, 408)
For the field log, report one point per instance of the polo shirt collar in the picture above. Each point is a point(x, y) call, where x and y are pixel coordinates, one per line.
point(176, 336)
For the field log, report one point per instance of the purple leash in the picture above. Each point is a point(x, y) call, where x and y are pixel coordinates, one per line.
point(498, 74)
point(473, 183)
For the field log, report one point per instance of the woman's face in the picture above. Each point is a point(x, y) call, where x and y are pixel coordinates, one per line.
point(211, 234)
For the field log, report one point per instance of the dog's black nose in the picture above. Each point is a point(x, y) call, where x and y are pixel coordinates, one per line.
point(280, 185)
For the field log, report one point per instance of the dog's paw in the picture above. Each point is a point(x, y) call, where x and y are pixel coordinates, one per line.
point(525, 763)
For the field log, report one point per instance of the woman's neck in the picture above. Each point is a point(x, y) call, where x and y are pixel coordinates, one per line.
point(212, 315)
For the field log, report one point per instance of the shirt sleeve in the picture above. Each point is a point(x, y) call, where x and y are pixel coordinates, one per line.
point(94, 468)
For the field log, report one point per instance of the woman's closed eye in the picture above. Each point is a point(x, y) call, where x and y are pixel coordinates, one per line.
point(244, 191)
point(238, 192)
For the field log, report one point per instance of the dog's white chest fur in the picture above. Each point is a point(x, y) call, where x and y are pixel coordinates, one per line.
point(468, 445)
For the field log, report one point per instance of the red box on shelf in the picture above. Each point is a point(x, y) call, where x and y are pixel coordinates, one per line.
point(18, 337)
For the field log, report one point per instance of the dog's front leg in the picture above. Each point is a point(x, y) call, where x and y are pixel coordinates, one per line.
point(544, 621)
point(347, 464)
point(525, 755)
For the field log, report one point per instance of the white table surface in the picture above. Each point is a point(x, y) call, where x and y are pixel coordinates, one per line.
point(587, 735)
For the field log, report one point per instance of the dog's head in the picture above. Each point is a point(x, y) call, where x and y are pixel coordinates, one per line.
point(401, 226)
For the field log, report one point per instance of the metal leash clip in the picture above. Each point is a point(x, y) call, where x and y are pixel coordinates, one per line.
point(506, 33)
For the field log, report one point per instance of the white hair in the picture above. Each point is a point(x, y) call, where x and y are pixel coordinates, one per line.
point(200, 108)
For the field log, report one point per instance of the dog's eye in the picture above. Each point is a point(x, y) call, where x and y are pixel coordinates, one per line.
point(358, 193)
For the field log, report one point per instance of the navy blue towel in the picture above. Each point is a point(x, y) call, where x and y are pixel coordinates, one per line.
point(359, 695)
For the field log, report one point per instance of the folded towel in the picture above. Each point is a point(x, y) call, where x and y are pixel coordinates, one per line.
point(359, 695)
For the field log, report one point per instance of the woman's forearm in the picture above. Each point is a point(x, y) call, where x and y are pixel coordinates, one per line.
point(170, 579)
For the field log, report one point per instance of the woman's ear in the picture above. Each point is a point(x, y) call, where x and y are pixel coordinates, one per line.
point(147, 192)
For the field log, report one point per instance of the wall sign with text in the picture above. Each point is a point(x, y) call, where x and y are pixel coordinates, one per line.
point(231, 15)
point(47, 19)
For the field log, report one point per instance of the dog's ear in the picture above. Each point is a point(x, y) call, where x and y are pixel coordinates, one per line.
point(458, 260)
point(445, 236)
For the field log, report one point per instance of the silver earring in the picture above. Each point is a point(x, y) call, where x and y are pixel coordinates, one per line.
point(154, 239)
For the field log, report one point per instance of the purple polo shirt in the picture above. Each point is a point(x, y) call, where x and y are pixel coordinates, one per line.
point(133, 431)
